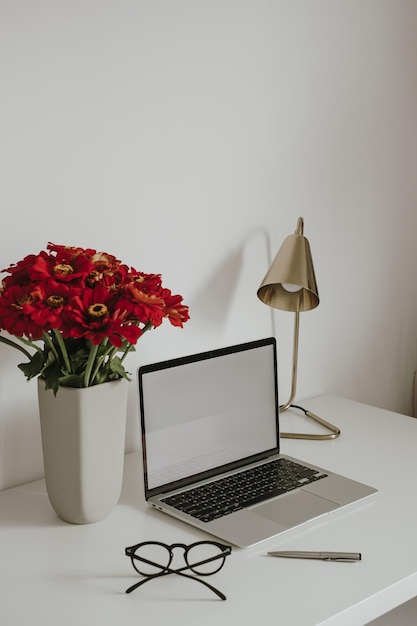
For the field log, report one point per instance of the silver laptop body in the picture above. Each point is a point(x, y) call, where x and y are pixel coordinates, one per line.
point(216, 414)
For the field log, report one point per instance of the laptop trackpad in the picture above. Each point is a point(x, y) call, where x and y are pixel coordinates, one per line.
point(295, 508)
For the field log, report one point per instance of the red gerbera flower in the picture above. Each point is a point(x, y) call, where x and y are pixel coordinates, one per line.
point(175, 311)
point(145, 307)
point(48, 301)
point(62, 268)
point(16, 308)
point(93, 314)
point(19, 272)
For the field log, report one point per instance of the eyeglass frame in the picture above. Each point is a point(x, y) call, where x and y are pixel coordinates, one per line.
point(225, 551)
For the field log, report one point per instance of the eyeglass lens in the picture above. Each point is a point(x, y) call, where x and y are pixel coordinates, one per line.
point(157, 555)
point(203, 558)
point(199, 558)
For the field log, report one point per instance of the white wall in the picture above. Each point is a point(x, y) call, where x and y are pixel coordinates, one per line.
point(186, 137)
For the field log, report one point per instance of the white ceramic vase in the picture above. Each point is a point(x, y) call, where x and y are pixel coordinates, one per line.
point(83, 438)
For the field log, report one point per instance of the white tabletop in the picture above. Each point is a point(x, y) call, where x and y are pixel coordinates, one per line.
point(53, 573)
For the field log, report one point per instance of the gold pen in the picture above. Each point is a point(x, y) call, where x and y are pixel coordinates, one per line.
point(343, 557)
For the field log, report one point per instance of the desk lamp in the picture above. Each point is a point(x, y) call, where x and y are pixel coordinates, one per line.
point(290, 285)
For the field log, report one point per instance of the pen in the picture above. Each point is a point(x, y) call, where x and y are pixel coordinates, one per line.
point(344, 557)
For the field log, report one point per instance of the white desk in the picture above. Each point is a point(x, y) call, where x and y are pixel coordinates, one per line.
point(52, 573)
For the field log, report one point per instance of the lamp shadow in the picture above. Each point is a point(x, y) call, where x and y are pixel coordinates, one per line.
point(213, 302)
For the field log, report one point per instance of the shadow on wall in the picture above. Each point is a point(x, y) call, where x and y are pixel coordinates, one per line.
point(20, 442)
point(227, 306)
point(211, 305)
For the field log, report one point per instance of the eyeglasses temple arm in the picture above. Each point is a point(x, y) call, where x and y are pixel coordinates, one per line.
point(172, 571)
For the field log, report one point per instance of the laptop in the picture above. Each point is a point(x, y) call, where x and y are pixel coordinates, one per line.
point(211, 448)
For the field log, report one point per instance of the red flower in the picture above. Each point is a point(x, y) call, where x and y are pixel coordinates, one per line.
point(146, 307)
point(20, 272)
point(69, 250)
point(65, 267)
point(49, 299)
point(94, 314)
point(176, 312)
point(147, 283)
point(16, 307)
point(106, 269)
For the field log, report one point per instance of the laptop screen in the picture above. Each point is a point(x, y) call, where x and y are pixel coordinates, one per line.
point(211, 410)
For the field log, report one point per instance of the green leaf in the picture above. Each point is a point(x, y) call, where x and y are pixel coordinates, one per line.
point(51, 382)
point(72, 380)
point(50, 359)
point(34, 367)
point(117, 367)
point(103, 376)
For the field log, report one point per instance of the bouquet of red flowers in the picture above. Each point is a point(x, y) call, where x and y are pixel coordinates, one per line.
point(82, 312)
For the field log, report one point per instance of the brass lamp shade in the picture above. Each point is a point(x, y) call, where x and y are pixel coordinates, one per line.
point(290, 283)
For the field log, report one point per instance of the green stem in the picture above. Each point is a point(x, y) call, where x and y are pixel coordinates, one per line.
point(48, 341)
point(89, 366)
point(100, 360)
point(60, 341)
point(31, 344)
point(13, 344)
point(112, 352)
point(130, 346)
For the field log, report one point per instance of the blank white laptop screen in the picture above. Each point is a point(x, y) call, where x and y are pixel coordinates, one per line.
point(209, 413)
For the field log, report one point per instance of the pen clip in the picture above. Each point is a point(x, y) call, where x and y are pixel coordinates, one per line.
point(342, 557)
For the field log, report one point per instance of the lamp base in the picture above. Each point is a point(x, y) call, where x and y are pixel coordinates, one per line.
point(334, 431)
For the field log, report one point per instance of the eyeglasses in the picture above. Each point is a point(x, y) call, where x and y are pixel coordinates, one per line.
point(153, 559)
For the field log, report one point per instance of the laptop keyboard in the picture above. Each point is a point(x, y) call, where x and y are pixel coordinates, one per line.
point(237, 491)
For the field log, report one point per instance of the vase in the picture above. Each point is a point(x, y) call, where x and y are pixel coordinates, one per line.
point(83, 440)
